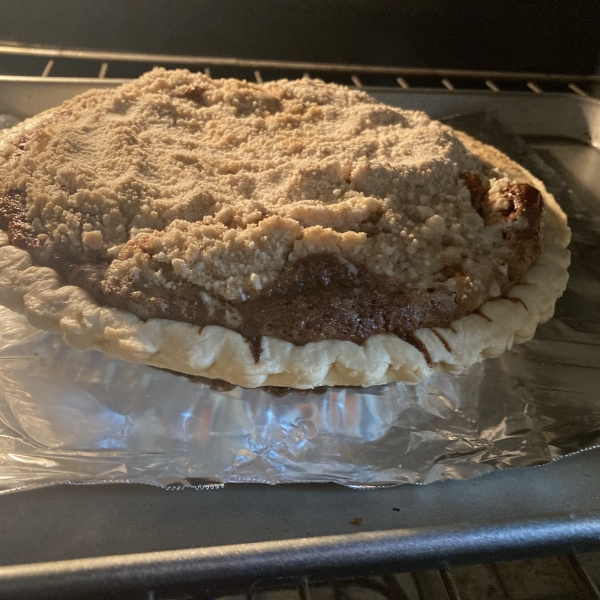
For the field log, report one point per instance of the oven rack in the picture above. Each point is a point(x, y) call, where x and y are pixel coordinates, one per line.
point(506, 581)
point(101, 64)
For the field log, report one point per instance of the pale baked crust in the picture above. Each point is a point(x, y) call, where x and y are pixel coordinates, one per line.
point(219, 353)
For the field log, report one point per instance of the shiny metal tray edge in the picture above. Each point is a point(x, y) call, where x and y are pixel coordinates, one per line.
point(240, 567)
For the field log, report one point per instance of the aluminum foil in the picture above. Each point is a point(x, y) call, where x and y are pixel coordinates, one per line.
point(83, 417)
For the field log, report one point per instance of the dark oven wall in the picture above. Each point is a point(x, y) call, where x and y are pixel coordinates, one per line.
point(534, 35)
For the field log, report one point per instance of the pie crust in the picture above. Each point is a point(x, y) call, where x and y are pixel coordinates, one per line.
point(218, 352)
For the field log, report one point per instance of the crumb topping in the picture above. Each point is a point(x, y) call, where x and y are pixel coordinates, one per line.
point(177, 178)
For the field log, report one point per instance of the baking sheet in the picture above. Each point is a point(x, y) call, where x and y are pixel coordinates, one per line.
point(82, 417)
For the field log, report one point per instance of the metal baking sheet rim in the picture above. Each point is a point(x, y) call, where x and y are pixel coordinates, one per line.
point(243, 565)
point(526, 113)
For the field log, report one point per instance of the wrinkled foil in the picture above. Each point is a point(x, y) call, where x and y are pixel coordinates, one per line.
point(68, 416)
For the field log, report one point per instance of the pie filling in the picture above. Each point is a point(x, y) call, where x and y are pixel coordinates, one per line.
point(298, 210)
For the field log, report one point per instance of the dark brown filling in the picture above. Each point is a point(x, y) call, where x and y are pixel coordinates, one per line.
point(219, 385)
point(318, 297)
point(12, 220)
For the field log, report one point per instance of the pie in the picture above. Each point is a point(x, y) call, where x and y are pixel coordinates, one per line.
point(291, 233)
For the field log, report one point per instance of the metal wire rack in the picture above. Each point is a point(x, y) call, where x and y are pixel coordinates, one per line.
point(106, 64)
point(572, 576)
point(554, 578)
point(567, 577)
